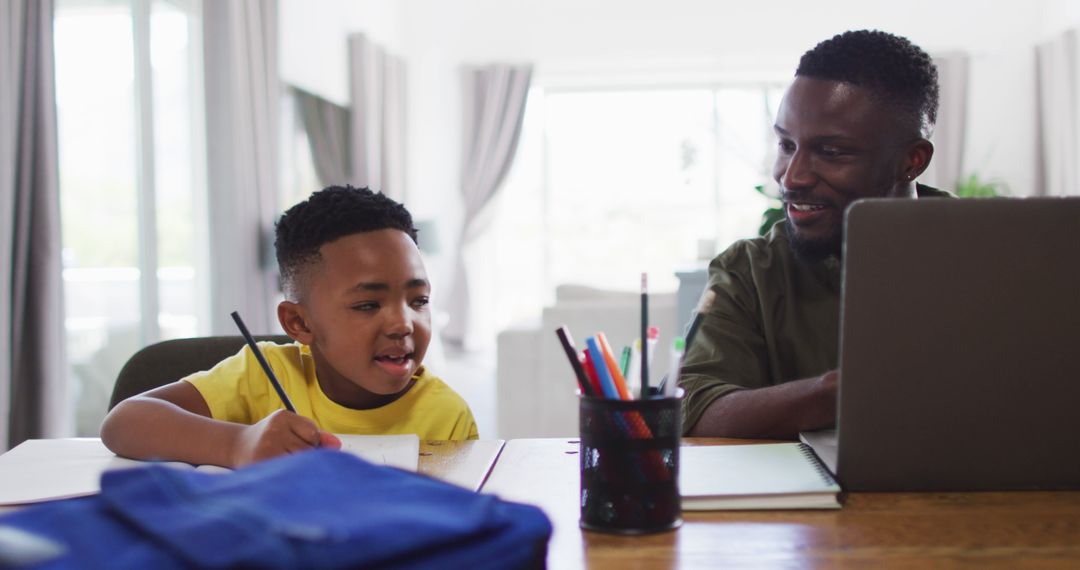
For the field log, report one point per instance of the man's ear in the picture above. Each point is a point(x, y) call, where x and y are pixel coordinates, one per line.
point(916, 159)
point(293, 319)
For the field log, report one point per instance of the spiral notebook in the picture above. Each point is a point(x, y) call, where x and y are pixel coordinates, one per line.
point(756, 476)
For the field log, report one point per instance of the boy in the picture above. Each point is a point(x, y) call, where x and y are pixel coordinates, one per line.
point(356, 303)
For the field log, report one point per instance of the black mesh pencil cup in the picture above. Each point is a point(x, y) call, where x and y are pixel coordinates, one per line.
point(630, 464)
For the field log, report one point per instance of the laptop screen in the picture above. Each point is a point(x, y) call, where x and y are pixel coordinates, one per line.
point(960, 328)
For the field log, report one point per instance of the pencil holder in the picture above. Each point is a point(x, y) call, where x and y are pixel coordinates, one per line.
point(630, 464)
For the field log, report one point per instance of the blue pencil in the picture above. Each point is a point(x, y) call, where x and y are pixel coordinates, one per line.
point(602, 372)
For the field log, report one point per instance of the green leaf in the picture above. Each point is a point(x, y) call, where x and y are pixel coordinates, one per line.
point(769, 218)
point(974, 187)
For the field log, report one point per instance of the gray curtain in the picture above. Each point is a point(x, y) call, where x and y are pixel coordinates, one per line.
point(377, 127)
point(1059, 148)
point(33, 372)
point(242, 114)
point(947, 167)
point(494, 107)
point(327, 127)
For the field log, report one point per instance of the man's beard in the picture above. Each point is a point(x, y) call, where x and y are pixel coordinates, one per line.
point(813, 251)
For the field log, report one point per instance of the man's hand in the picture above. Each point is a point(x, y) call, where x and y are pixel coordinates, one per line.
point(776, 412)
point(279, 433)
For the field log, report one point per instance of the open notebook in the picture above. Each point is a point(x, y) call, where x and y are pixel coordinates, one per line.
point(756, 476)
point(47, 469)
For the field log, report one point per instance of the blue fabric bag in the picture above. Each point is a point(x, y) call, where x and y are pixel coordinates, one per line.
point(318, 509)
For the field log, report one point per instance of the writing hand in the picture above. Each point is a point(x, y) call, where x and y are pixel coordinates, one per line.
point(280, 433)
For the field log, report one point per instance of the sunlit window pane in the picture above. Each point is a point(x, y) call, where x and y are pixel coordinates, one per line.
point(607, 184)
point(630, 184)
point(96, 131)
point(177, 179)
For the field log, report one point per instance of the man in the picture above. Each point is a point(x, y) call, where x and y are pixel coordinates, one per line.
point(854, 124)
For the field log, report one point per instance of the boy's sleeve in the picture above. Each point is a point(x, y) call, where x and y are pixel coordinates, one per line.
point(228, 390)
point(474, 432)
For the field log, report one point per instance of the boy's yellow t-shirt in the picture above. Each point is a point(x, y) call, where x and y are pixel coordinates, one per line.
point(237, 390)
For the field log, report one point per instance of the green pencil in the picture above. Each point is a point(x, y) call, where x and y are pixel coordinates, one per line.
point(624, 361)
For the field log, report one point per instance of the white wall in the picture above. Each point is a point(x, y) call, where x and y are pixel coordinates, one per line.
point(585, 38)
point(1058, 16)
point(312, 50)
point(600, 35)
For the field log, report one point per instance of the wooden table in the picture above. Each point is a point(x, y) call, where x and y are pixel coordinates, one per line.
point(465, 463)
point(909, 530)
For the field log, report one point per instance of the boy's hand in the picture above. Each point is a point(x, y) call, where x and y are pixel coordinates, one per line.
point(279, 433)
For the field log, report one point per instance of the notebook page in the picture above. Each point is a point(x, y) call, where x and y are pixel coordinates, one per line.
point(46, 469)
point(779, 475)
point(401, 451)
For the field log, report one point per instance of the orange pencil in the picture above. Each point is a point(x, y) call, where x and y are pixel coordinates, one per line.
point(616, 375)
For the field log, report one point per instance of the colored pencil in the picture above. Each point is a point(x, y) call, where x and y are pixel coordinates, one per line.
point(644, 335)
point(613, 368)
point(603, 372)
point(571, 354)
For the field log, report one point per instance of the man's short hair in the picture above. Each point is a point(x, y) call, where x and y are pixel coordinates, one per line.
point(892, 67)
point(331, 213)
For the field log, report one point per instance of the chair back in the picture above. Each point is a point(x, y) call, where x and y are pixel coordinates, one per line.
point(171, 360)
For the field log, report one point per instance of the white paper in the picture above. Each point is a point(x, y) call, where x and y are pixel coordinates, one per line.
point(401, 451)
point(48, 469)
point(756, 476)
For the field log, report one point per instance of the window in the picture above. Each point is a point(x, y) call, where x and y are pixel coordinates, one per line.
point(610, 183)
point(129, 110)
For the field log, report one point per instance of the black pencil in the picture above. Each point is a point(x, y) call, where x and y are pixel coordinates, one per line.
point(644, 335)
point(262, 361)
point(571, 354)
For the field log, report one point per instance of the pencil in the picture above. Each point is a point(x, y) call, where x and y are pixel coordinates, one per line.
point(571, 354)
point(624, 361)
point(262, 361)
point(596, 357)
point(613, 367)
point(590, 372)
point(644, 335)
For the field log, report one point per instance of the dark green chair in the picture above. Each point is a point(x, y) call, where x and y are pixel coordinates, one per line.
point(171, 360)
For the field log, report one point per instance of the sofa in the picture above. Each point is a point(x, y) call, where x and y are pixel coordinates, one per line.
point(535, 385)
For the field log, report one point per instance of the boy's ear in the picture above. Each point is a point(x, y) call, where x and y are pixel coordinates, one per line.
point(292, 318)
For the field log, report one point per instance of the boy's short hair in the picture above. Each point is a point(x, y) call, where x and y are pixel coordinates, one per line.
point(893, 68)
point(331, 213)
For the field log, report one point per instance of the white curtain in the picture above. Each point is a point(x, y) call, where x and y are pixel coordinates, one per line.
point(33, 371)
point(326, 126)
point(947, 167)
point(494, 107)
point(242, 114)
point(1059, 149)
point(377, 126)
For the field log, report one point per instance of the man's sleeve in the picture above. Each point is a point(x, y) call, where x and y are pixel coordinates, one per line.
point(729, 351)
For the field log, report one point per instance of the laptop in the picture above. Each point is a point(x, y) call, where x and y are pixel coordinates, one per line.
point(960, 345)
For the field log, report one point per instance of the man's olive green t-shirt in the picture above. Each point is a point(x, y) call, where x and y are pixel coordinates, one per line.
point(775, 319)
